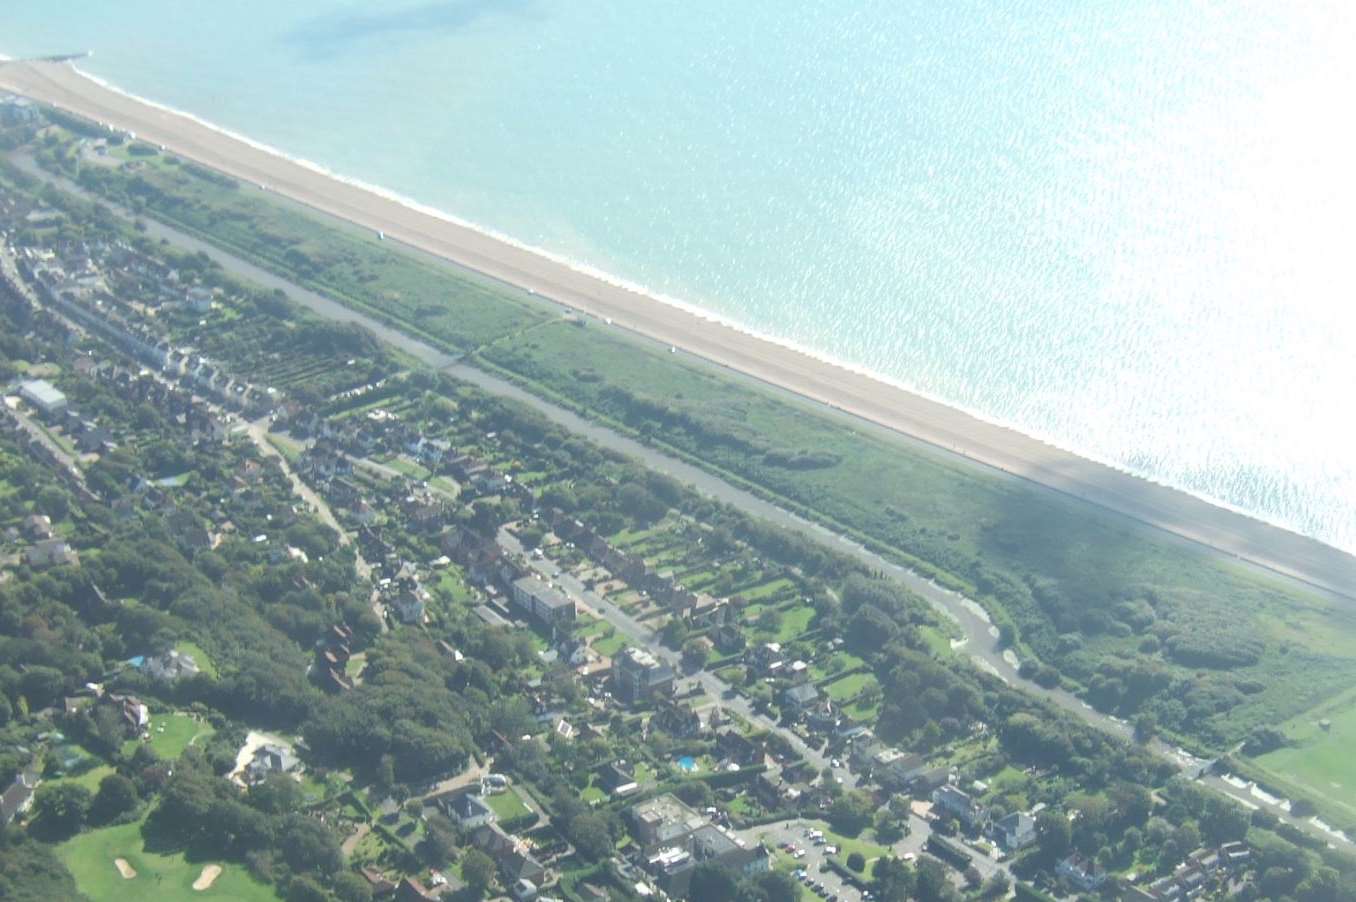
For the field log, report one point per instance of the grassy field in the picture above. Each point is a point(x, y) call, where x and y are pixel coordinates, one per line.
point(848, 687)
point(159, 877)
point(172, 733)
point(1321, 762)
point(507, 805)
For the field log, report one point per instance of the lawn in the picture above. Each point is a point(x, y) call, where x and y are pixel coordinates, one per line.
point(172, 733)
point(507, 805)
point(847, 687)
point(159, 877)
point(200, 657)
point(89, 779)
point(1319, 761)
point(609, 646)
point(795, 622)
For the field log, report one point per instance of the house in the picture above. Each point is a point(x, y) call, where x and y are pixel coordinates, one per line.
point(134, 714)
point(640, 676)
point(1016, 831)
point(678, 720)
point(618, 778)
point(711, 844)
point(797, 699)
point(38, 527)
point(18, 797)
point(739, 749)
point(44, 396)
point(468, 809)
point(411, 604)
point(511, 855)
point(270, 759)
point(662, 822)
point(50, 553)
point(381, 884)
point(411, 890)
point(171, 666)
point(958, 803)
point(767, 657)
point(542, 602)
point(1084, 873)
point(896, 770)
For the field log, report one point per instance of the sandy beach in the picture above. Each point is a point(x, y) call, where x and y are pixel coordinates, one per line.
point(936, 424)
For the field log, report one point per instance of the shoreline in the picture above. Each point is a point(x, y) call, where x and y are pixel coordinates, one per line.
point(842, 388)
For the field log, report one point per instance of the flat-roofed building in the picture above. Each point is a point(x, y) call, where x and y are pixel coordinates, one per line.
point(639, 675)
point(542, 602)
point(43, 395)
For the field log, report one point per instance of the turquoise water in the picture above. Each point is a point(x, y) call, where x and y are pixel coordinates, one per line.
point(1121, 227)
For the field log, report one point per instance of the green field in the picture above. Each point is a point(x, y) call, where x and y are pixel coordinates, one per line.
point(507, 805)
point(160, 877)
point(848, 687)
point(1321, 763)
point(172, 733)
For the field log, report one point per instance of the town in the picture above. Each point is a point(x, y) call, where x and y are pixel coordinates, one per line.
point(288, 614)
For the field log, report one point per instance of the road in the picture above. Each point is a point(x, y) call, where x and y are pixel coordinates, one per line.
point(258, 433)
point(979, 633)
point(641, 635)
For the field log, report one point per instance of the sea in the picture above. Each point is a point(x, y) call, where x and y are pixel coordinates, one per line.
point(1122, 227)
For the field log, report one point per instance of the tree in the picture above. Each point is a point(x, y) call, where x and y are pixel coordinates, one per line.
point(996, 887)
point(117, 795)
point(276, 794)
point(590, 835)
point(477, 870)
point(774, 886)
point(891, 880)
point(930, 883)
point(349, 887)
point(305, 889)
point(308, 845)
point(851, 812)
point(695, 652)
point(60, 809)
point(1053, 834)
point(713, 883)
point(856, 861)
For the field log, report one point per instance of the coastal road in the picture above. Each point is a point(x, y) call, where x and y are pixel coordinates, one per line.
point(980, 635)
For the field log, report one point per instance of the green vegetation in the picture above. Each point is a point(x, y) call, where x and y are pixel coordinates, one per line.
point(201, 564)
point(172, 733)
point(507, 806)
point(1139, 623)
point(159, 876)
point(1317, 761)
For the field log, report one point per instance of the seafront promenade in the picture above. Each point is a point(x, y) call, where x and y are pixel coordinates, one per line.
point(913, 416)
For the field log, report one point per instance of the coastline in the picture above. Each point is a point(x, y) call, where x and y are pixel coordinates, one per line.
point(839, 387)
